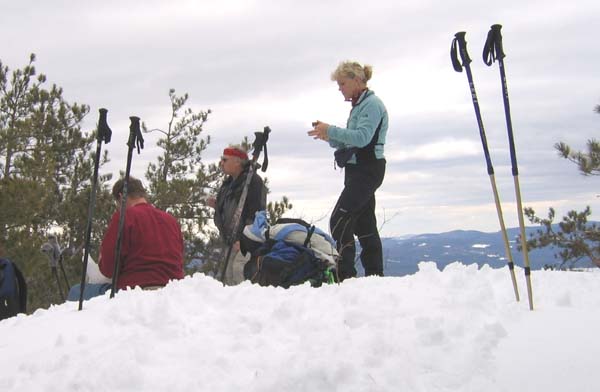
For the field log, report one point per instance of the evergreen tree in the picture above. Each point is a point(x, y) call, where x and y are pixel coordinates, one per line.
point(277, 209)
point(575, 238)
point(588, 162)
point(45, 171)
point(178, 181)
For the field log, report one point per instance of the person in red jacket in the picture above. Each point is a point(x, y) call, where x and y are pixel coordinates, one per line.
point(151, 245)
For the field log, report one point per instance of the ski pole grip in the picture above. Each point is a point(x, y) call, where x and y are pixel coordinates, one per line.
point(498, 41)
point(104, 132)
point(266, 131)
point(260, 143)
point(492, 49)
point(459, 44)
point(135, 134)
point(460, 36)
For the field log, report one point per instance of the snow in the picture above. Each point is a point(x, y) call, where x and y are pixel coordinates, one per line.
point(480, 246)
point(460, 329)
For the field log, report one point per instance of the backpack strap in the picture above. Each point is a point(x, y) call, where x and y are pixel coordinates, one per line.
point(309, 234)
point(22, 288)
point(293, 220)
point(291, 225)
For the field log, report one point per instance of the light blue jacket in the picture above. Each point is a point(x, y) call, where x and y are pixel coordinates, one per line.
point(361, 126)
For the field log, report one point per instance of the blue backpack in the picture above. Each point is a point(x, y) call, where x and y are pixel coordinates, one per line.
point(282, 263)
point(13, 290)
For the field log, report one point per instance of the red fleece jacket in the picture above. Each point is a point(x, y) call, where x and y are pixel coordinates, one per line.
point(152, 248)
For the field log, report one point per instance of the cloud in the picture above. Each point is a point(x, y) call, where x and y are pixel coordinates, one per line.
point(444, 149)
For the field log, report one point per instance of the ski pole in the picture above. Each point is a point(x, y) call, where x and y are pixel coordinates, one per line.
point(60, 291)
point(104, 134)
point(459, 44)
point(493, 51)
point(135, 139)
point(64, 273)
point(62, 266)
point(260, 143)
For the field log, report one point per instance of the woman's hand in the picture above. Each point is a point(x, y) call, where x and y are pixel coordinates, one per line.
point(319, 131)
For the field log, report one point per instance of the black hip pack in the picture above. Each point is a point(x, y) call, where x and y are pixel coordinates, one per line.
point(343, 155)
point(364, 154)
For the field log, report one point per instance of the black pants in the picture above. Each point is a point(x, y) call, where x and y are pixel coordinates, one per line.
point(354, 214)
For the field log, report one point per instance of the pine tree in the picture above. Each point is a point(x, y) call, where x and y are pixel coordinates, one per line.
point(45, 171)
point(277, 209)
point(574, 237)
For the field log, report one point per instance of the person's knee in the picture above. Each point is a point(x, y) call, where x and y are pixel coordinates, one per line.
point(74, 293)
point(371, 241)
point(338, 224)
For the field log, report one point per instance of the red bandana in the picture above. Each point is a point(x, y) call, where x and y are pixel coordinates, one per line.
point(235, 152)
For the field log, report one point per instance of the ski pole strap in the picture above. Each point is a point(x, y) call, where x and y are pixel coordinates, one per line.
point(104, 132)
point(459, 45)
point(309, 234)
point(135, 134)
point(492, 49)
point(260, 144)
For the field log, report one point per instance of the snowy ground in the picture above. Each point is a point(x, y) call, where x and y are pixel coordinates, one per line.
point(456, 330)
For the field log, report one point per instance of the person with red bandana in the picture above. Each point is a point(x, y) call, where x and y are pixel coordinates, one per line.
point(235, 164)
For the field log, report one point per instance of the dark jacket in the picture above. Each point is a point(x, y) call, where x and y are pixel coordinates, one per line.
point(228, 198)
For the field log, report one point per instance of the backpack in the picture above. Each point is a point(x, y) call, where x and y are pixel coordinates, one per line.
point(285, 264)
point(13, 290)
point(291, 230)
point(287, 255)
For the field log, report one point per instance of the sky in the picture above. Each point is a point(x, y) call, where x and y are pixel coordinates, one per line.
point(456, 330)
point(258, 63)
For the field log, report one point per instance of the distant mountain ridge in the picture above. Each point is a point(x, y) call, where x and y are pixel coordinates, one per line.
point(402, 254)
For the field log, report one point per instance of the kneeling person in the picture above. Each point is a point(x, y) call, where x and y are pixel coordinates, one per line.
point(151, 245)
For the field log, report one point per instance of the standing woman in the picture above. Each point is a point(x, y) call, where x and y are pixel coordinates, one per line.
point(363, 140)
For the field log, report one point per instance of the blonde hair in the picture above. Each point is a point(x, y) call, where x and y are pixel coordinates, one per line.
point(352, 69)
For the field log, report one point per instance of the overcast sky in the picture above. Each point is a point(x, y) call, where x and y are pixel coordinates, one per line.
point(257, 63)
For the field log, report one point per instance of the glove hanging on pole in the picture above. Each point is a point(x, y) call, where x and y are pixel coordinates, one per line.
point(459, 45)
point(493, 51)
